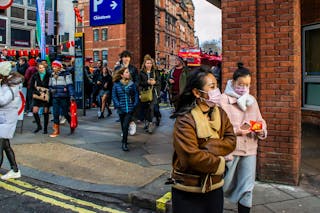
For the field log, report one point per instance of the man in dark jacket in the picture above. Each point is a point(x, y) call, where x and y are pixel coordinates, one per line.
point(22, 66)
point(126, 57)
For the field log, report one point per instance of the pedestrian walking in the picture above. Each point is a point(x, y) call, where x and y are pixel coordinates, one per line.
point(10, 84)
point(202, 136)
point(126, 61)
point(177, 80)
point(125, 98)
point(32, 69)
point(61, 87)
point(105, 89)
point(243, 110)
point(149, 80)
point(40, 81)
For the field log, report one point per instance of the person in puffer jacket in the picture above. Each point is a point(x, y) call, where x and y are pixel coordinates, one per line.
point(62, 91)
point(10, 84)
point(125, 98)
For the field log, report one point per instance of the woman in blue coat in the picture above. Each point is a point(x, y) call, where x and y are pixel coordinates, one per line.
point(125, 98)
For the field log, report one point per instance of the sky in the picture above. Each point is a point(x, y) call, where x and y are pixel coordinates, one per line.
point(207, 21)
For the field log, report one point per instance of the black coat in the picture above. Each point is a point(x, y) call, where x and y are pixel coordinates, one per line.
point(143, 81)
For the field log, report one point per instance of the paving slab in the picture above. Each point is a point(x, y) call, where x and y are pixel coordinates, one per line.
point(266, 193)
point(303, 205)
point(83, 165)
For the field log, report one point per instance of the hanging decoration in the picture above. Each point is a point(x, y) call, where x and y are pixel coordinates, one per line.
point(78, 15)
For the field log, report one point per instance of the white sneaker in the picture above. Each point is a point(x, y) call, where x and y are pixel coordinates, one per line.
point(11, 174)
point(30, 114)
point(63, 120)
point(132, 128)
point(99, 113)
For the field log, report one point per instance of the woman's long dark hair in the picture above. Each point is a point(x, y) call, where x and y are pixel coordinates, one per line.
point(186, 100)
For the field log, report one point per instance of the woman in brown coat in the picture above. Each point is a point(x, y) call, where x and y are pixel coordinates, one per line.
point(202, 136)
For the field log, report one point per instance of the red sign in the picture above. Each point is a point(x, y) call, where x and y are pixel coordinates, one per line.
point(4, 4)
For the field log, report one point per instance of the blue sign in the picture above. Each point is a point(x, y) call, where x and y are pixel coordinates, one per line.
point(106, 12)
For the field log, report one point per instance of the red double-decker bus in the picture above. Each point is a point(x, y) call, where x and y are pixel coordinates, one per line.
point(196, 57)
point(191, 55)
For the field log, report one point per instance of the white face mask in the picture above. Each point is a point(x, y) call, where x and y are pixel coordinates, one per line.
point(214, 97)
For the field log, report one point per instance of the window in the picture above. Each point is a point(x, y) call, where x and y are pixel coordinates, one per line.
point(104, 34)
point(32, 3)
point(311, 66)
point(32, 15)
point(17, 12)
point(96, 35)
point(3, 31)
point(104, 55)
point(64, 39)
point(49, 5)
point(95, 55)
point(18, 1)
point(20, 38)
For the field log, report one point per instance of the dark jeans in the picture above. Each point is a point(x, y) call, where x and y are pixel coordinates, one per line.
point(125, 120)
point(147, 109)
point(61, 104)
point(28, 106)
point(5, 146)
point(188, 202)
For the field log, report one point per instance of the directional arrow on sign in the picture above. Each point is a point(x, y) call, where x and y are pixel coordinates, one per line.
point(113, 5)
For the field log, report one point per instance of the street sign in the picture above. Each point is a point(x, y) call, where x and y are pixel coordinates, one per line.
point(106, 12)
point(78, 71)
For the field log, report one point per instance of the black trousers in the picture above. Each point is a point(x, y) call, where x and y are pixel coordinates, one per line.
point(188, 202)
point(5, 146)
point(125, 120)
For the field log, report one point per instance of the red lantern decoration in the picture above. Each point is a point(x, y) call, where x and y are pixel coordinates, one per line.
point(68, 44)
point(21, 52)
point(32, 52)
point(36, 52)
point(47, 50)
point(72, 43)
point(13, 52)
point(25, 52)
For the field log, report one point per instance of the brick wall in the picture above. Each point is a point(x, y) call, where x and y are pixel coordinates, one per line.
point(115, 43)
point(133, 21)
point(265, 35)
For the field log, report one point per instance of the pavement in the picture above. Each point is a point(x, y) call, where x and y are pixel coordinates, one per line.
point(92, 160)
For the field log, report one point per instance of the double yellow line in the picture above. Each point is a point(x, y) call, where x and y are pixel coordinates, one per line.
point(26, 188)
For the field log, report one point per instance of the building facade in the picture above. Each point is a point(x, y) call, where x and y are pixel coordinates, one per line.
point(174, 29)
point(278, 41)
point(18, 25)
point(103, 42)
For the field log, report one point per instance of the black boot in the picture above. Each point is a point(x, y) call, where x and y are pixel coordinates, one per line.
point(1, 150)
point(243, 209)
point(109, 112)
point(45, 121)
point(38, 122)
point(158, 121)
point(125, 147)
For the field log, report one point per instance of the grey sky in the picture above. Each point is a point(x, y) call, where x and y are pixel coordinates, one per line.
point(207, 21)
